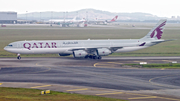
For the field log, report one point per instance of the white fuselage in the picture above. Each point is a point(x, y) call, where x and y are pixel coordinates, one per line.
point(66, 46)
point(65, 20)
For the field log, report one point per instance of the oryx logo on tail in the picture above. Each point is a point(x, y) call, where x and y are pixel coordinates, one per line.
point(157, 33)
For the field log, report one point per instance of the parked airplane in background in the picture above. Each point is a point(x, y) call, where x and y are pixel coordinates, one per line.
point(103, 21)
point(87, 48)
point(67, 22)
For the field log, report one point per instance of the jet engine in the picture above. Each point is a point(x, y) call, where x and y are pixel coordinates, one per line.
point(80, 54)
point(103, 52)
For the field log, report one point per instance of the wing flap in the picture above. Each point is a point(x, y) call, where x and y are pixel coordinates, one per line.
point(95, 48)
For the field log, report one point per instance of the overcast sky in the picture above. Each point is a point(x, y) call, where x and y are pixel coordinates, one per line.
point(161, 8)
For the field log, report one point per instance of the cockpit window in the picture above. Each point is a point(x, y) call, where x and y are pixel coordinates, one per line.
point(10, 45)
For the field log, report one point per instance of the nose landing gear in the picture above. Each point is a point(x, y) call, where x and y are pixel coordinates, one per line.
point(18, 57)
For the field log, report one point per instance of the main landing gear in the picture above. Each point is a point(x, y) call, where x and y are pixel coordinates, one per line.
point(94, 57)
point(18, 57)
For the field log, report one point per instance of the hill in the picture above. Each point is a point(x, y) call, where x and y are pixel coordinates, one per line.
point(88, 14)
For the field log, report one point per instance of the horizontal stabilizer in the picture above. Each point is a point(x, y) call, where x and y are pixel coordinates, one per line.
point(159, 41)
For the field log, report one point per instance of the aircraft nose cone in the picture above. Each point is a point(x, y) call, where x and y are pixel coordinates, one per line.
point(6, 48)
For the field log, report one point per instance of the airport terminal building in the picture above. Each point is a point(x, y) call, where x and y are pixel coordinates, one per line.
point(8, 17)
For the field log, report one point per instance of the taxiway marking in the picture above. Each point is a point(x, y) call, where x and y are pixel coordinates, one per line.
point(167, 60)
point(42, 66)
point(136, 98)
point(41, 86)
point(95, 64)
point(78, 89)
point(148, 97)
point(137, 61)
point(110, 93)
point(169, 98)
point(104, 64)
point(152, 97)
point(150, 80)
point(114, 62)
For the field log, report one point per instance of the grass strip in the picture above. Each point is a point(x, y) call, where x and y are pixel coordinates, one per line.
point(170, 48)
point(22, 94)
point(167, 65)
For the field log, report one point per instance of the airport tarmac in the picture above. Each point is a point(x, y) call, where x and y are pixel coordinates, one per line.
point(107, 77)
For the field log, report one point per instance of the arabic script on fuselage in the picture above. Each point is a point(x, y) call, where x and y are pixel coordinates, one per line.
point(74, 42)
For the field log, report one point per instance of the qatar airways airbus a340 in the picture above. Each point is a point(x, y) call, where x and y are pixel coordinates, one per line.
point(87, 48)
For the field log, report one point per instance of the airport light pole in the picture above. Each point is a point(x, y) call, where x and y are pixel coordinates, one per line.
point(86, 15)
point(26, 17)
point(67, 14)
point(51, 18)
point(64, 16)
point(32, 16)
point(77, 14)
point(40, 17)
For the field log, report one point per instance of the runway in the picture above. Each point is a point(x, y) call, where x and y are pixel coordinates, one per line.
point(106, 77)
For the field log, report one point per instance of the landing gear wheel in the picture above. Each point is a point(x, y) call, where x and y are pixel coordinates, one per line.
point(95, 57)
point(86, 57)
point(99, 57)
point(90, 56)
point(19, 58)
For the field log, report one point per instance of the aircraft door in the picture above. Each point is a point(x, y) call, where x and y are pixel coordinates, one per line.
point(82, 44)
point(18, 45)
point(111, 44)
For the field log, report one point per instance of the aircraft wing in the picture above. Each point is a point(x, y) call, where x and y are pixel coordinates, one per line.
point(104, 21)
point(95, 22)
point(95, 48)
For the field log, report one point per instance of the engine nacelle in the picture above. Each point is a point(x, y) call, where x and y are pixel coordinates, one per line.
point(79, 54)
point(103, 52)
point(105, 22)
point(64, 54)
